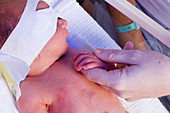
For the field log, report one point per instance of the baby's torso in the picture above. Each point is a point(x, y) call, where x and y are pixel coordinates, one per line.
point(71, 92)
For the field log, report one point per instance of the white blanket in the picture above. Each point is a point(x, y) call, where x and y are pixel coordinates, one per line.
point(80, 24)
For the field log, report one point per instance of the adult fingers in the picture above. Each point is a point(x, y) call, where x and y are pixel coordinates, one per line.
point(103, 77)
point(78, 54)
point(118, 56)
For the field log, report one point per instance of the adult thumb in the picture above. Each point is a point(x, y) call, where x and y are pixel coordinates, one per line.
point(102, 76)
point(128, 46)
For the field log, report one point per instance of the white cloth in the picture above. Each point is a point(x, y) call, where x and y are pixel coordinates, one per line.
point(150, 105)
point(7, 100)
point(33, 31)
point(13, 70)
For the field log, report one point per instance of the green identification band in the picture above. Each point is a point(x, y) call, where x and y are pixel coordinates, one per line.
point(127, 28)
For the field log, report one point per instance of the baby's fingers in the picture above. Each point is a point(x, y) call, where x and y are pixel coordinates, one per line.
point(83, 60)
point(78, 54)
point(91, 65)
point(78, 61)
point(87, 61)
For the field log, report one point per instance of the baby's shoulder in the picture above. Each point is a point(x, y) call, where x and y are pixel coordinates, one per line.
point(72, 51)
point(68, 56)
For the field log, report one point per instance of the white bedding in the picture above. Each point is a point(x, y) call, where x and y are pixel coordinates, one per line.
point(80, 24)
point(7, 101)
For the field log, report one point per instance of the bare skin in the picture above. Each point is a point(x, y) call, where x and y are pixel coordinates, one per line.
point(68, 92)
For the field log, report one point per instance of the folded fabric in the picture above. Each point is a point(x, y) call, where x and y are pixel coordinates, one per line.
point(150, 105)
point(7, 100)
point(32, 32)
point(13, 69)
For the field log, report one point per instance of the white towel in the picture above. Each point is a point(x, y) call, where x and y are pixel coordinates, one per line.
point(33, 31)
point(150, 105)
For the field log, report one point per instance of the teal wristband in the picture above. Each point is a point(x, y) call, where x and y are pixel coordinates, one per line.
point(127, 28)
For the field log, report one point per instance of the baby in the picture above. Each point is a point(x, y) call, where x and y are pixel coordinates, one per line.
point(87, 60)
point(57, 87)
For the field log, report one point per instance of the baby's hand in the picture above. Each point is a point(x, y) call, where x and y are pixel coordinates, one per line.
point(87, 60)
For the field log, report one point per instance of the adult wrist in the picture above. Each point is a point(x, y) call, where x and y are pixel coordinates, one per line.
point(127, 28)
point(119, 19)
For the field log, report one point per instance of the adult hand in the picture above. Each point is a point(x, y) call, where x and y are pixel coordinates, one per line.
point(146, 74)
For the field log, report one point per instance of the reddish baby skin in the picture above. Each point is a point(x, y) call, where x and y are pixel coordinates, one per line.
point(61, 89)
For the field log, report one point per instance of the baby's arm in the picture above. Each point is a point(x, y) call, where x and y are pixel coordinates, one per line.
point(32, 99)
point(87, 60)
